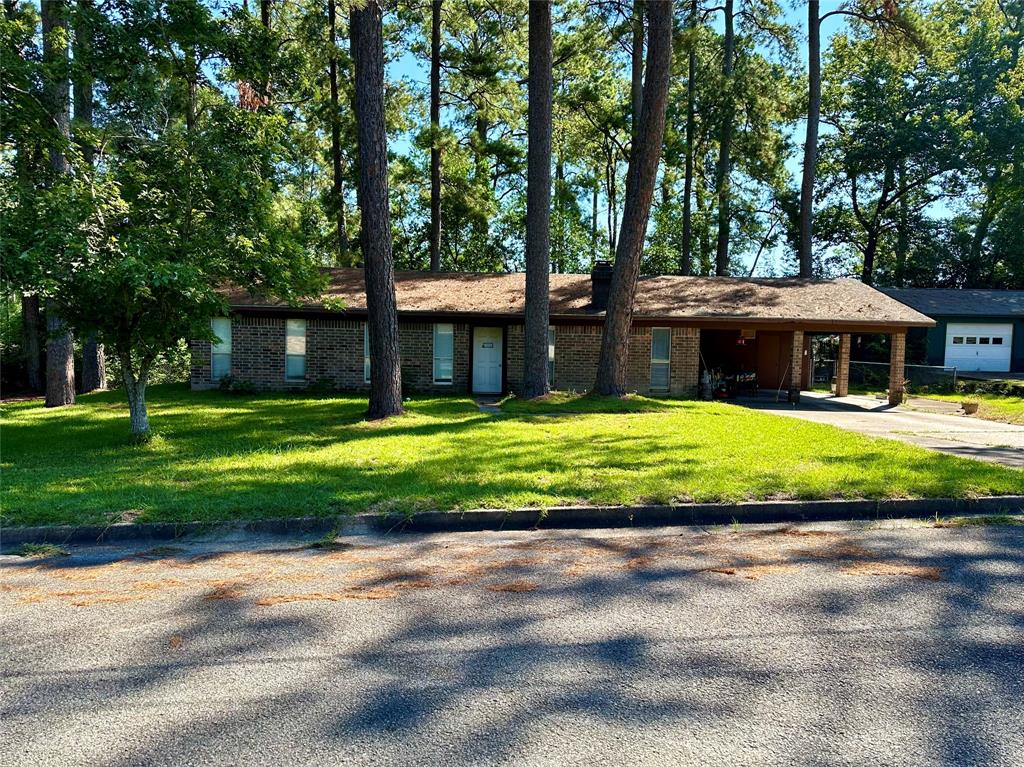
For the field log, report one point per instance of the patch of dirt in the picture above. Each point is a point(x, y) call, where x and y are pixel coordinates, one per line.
point(840, 550)
point(514, 587)
point(176, 641)
point(894, 568)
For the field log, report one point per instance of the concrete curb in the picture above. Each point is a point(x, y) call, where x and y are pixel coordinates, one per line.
point(564, 517)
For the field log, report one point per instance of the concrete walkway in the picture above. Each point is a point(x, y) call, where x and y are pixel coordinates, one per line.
point(1001, 443)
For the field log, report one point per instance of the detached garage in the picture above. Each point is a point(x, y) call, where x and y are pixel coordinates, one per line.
point(976, 330)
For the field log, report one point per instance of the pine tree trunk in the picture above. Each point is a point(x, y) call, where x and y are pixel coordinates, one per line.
point(724, 169)
point(60, 361)
point(560, 245)
point(636, 82)
point(31, 332)
point(704, 209)
point(642, 174)
point(379, 268)
point(338, 178)
point(94, 365)
point(811, 139)
point(56, 88)
point(60, 348)
point(593, 214)
point(538, 202)
point(686, 260)
point(435, 137)
point(94, 372)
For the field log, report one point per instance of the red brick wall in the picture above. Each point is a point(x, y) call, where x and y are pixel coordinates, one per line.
point(334, 356)
point(577, 348)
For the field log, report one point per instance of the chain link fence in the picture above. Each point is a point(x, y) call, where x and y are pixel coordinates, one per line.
point(874, 376)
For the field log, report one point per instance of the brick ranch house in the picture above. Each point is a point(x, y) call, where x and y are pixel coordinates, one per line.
point(463, 333)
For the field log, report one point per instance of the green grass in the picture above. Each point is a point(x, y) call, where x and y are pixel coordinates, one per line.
point(980, 521)
point(219, 456)
point(571, 402)
point(992, 407)
point(40, 550)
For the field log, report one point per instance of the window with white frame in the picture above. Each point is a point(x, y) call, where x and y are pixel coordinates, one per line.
point(444, 352)
point(551, 356)
point(295, 350)
point(661, 345)
point(220, 361)
point(366, 352)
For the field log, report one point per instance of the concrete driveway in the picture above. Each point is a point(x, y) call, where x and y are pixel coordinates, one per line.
point(957, 435)
point(821, 645)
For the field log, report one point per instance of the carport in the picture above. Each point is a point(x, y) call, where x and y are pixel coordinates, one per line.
point(760, 329)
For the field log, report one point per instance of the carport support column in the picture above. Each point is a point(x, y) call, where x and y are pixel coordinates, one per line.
point(897, 358)
point(796, 366)
point(843, 366)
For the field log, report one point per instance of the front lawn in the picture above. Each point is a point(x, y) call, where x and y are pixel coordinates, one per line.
point(220, 456)
point(569, 402)
point(992, 407)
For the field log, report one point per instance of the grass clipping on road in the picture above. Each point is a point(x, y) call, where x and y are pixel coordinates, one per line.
point(220, 456)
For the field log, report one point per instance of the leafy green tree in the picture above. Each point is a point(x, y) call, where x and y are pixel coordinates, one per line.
point(182, 204)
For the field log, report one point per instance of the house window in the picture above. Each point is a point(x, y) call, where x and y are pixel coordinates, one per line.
point(661, 344)
point(958, 339)
point(295, 350)
point(997, 340)
point(221, 348)
point(972, 339)
point(366, 352)
point(551, 356)
point(444, 350)
point(983, 340)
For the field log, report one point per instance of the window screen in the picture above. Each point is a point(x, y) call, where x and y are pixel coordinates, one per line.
point(366, 353)
point(444, 352)
point(551, 356)
point(661, 342)
point(221, 348)
point(295, 350)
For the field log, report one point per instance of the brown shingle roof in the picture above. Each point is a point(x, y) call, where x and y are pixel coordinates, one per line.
point(664, 297)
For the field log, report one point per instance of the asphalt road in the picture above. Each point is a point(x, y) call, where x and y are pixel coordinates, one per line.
point(960, 435)
point(823, 645)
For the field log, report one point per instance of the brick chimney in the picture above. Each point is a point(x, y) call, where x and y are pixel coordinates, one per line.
point(600, 284)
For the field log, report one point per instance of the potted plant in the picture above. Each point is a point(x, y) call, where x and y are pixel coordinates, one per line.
point(970, 405)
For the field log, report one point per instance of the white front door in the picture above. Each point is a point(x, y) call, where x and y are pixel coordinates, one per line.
point(979, 346)
point(487, 360)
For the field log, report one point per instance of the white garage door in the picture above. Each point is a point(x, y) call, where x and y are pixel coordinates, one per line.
point(979, 346)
